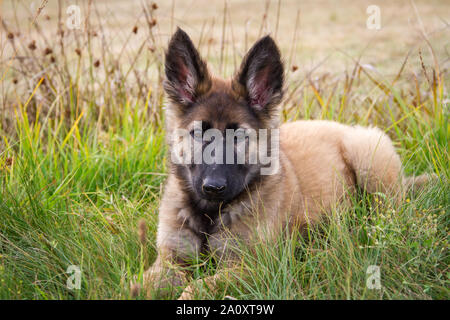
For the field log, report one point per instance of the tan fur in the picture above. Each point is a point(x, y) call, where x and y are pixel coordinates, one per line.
point(321, 163)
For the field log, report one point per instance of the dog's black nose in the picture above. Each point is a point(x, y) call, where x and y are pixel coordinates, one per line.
point(214, 187)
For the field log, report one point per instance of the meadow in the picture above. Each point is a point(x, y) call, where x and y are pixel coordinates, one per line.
point(83, 157)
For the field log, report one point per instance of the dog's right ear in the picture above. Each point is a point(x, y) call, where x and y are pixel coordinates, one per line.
point(187, 76)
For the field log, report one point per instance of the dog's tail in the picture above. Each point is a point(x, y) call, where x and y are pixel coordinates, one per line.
point(416, 183)
point(376, 164)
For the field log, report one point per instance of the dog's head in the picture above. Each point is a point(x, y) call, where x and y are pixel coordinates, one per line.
point(210, 110)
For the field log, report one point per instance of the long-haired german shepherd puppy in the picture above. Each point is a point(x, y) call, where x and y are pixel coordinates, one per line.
point(313, 165)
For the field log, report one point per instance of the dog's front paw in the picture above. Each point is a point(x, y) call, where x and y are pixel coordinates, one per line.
point(208, 284)
point(188, 293)
point(162, 284)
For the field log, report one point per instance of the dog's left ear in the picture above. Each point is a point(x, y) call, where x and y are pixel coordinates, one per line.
point(187, 75)
point(260, 77)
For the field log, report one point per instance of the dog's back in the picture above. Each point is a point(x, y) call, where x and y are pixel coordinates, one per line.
point(330, 159)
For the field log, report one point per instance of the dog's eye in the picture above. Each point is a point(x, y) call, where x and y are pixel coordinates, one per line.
point(243, 130)
point(240, 132)
point(197, 134)
point(240, 135)
point(198, 131)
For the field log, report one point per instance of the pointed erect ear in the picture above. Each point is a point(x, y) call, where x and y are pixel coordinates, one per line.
point(187, 75)
point(260, 77)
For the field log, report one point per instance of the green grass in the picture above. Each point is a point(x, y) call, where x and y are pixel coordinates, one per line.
point(70, 196)
point(69, 205)
point(409, 245)
point(77, 175)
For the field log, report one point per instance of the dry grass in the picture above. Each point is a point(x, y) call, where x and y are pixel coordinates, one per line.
point(82, 154)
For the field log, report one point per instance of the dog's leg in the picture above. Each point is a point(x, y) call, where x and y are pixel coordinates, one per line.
point(164, 276)
point(176, 246)
point(198, 285)
point(377, 165)
point(209, 283)
point(222, 246)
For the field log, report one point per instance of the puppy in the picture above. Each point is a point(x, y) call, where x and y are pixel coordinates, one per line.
point(235, 172)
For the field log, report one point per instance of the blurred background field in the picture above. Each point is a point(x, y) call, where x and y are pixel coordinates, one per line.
point(82, 155)
point(320, 40)
point(325, 28)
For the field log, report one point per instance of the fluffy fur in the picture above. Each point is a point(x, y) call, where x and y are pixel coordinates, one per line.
point(320, 162)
